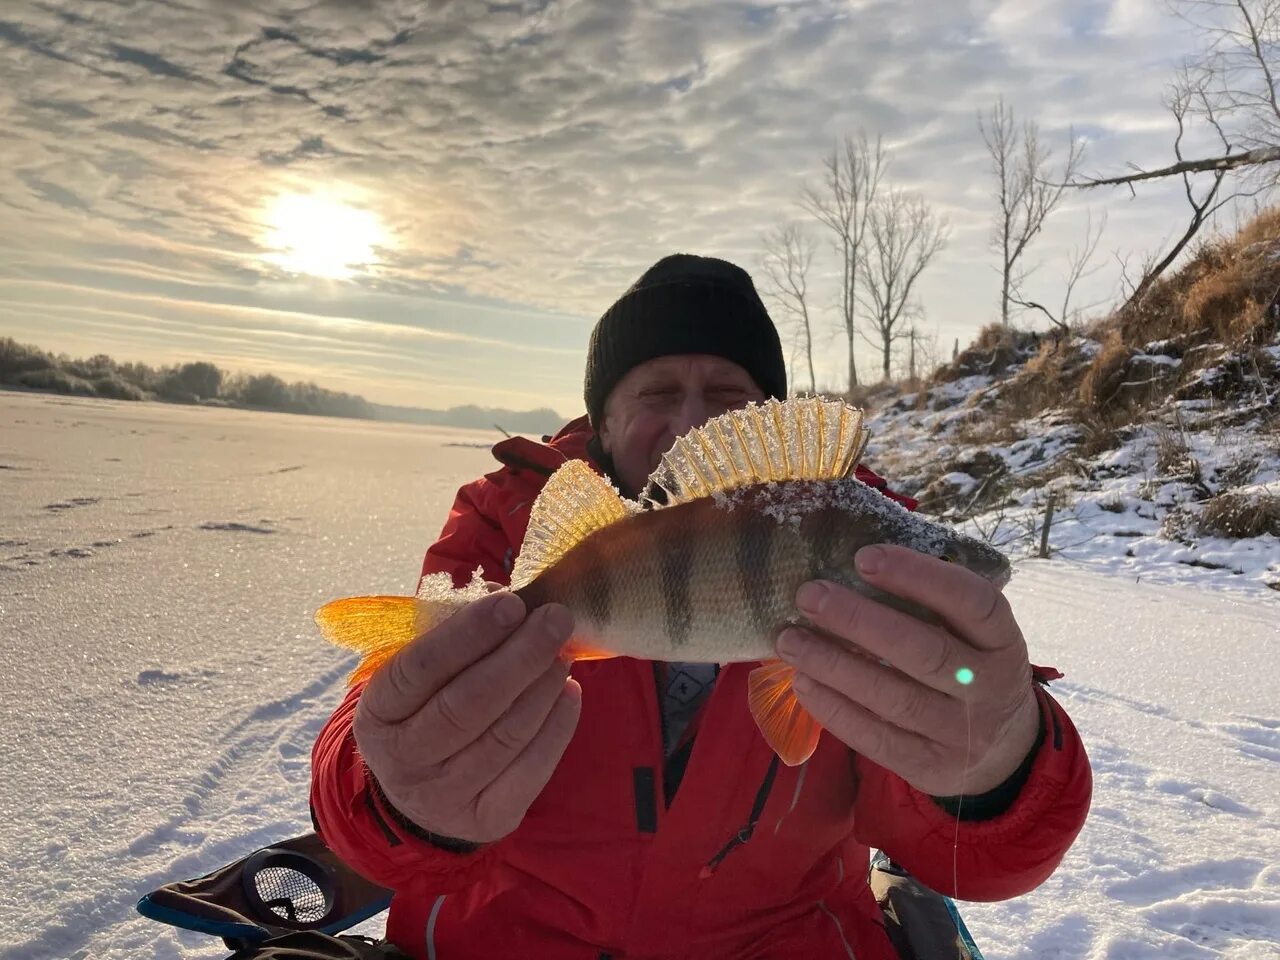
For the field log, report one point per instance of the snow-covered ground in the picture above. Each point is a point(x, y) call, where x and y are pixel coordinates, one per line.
point(161, 683)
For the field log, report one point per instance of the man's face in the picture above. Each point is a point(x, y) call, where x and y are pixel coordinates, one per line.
point(663, 399)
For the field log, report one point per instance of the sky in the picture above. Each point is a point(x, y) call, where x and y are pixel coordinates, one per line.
point(430, 203)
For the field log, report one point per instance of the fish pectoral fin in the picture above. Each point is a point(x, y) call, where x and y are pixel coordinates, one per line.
point(581, 649)
point(786, 726)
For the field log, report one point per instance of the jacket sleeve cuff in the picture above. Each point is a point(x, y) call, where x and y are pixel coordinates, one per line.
point(358, 828)
point(989, 805)
point(391, 813)
point(1017, 850)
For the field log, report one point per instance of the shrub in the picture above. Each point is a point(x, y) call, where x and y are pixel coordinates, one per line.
point(1238, 515)
point(59, 380)
point(113, 388)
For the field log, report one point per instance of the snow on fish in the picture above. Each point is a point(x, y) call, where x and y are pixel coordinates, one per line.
point(754, 503)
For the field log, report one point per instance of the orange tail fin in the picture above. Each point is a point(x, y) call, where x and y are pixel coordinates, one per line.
point(374, 627)
point(787, 727)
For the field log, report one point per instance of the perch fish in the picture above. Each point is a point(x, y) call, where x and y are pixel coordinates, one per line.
point(757, 501)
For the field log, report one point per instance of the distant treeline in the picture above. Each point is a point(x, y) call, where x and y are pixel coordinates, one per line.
point(471, 417)
point(23, 365)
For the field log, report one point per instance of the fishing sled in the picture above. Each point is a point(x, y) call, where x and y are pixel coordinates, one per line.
point(293, 900)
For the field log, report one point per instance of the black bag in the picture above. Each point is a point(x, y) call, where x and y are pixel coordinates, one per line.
point(922, 924)
point(285, 901)
point(309, 945)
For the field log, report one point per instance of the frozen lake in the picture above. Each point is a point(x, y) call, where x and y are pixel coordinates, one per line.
point(161, 683)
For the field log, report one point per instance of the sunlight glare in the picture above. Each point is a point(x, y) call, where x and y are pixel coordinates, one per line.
point(324, 238)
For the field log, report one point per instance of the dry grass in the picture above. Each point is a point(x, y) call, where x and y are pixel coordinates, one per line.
point(1105, 374)
point(1222, 292)
point(1159, 314)
point(1002, 426)
point(993, 335)
point(1241, 515)
point(1264, 228)
point(1230, 304)
point(1099, 433)
point(1049, 379)
point(996, 349)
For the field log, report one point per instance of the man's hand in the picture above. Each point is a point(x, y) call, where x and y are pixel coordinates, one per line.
point(464, 727)
point(958, 689)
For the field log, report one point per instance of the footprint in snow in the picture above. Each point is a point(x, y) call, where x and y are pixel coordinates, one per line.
point(1205, 795)
point(149, 678)
point(236, 527)
point(1258, 737)
point(1219, 922)
point(72, 503)
point(1157, 886)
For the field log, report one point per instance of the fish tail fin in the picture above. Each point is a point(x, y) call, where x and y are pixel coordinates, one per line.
point(379, 627)
point(786, 726)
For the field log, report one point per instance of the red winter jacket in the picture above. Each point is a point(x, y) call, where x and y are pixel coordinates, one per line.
point(602, 868)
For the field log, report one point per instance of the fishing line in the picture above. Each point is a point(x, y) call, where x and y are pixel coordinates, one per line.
point(955, 841)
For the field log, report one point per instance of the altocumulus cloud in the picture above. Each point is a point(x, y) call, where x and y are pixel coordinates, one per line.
point(526, 160)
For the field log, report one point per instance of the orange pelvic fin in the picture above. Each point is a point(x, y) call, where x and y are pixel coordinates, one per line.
point(787, 727)
point(583, 649)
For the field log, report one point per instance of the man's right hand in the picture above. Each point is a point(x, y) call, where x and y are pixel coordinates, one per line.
point(464, 726)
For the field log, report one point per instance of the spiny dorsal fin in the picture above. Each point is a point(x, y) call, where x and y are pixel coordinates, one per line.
point(805, 438)
point(574, 503)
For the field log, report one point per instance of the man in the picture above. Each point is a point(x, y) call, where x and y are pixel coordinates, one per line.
point(634, 810)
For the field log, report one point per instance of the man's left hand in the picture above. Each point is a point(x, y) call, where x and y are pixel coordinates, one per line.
point(918, 716)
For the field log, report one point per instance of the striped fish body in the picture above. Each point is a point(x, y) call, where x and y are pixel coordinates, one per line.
point(714, 579)
point(756, 502)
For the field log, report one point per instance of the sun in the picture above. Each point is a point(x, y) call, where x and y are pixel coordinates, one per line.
point(322, 237)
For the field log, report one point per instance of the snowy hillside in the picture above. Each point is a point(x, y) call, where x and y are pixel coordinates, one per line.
point(1155, 432)
point(161, 683)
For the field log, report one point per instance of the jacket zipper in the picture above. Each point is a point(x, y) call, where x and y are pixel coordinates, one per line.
point(748, 829)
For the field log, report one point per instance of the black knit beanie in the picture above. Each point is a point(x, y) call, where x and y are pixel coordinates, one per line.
point(684, 304)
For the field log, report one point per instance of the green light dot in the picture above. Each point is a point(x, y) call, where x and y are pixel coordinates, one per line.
point(964, 676)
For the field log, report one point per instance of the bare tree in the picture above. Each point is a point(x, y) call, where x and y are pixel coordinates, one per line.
point(1180, 100)
point(921, 355)
point(1078, 268)
point(903, 236)
point(788, 255)
point(1234, 79)
point(1026, 194)
point(843, 203)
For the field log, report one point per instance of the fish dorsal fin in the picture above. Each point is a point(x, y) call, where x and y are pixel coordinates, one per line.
point(805, 438)
point(573, 504)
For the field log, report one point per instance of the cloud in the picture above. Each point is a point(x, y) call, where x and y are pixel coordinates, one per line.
point(529, 159)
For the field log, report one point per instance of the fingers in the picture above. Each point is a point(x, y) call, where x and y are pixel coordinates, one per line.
point(479, 764)
point(886, 692)
point(422, 668)
point(465, 708)
point(908, 754)
point(921, 650)
point(971, 605)
point(501, 806)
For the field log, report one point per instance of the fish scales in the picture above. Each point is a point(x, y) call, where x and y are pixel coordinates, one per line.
point(689, 582)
